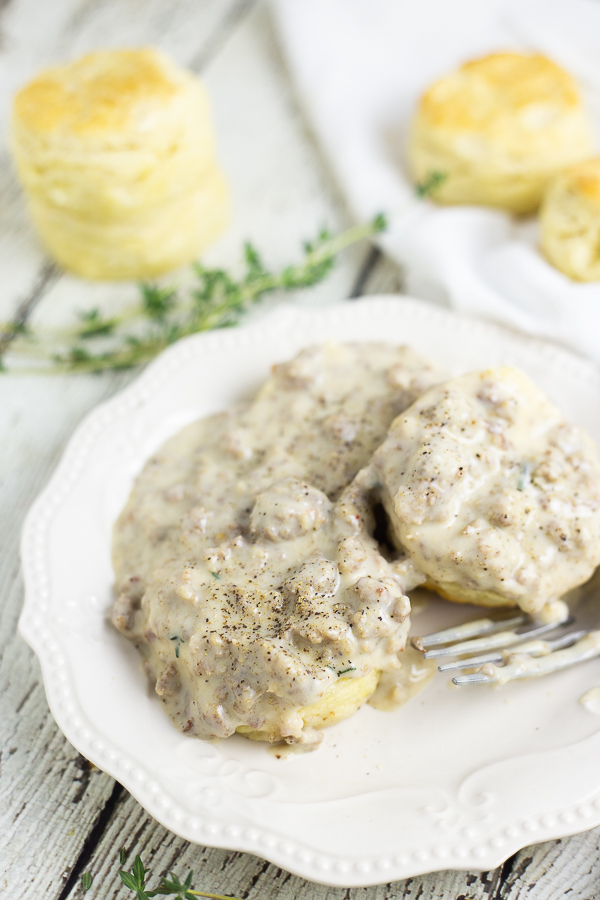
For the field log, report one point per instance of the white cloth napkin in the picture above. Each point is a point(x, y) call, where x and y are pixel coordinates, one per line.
point(360, 66)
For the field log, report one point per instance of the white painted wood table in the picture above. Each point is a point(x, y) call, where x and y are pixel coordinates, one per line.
point(59, 816)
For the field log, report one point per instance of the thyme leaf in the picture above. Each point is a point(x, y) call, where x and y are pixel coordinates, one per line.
point(178, 642)
point(162, 315)
point(157, 302)
point(94, 325)
point(430, 184)
point(135, 880)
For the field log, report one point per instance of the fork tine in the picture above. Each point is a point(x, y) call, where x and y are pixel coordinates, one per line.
point(533, 648)
point(495, 640)
point(471, 662)
point(472, 629)
point(474, 678)
point(566, 640)
point(525, 666)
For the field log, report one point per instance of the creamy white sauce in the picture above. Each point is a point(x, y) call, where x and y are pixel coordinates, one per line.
point(398, 687)
point(247, 571)
point(535, 659)
point(552, 613)
point(591, 700)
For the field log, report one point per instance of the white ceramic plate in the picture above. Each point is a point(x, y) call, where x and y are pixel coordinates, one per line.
point(456, 779)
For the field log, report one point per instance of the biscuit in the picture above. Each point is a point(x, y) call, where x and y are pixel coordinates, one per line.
point(494, 132)
point(341, 701)
point(116, 153)
point(570, 222)
point(492, 494)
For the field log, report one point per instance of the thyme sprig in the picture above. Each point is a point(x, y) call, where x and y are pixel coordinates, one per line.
point(216, 299)
point(136, 879)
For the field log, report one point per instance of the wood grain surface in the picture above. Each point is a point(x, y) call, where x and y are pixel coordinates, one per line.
point(60, 816)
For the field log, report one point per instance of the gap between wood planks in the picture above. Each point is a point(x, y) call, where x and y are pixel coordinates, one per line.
point(91, 842)
point(48, 276)
point(234, 17)
point(3, 5)
point(505, 871)
point(374, 256)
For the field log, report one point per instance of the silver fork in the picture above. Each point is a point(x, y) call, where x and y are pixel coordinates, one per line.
point(508, 646)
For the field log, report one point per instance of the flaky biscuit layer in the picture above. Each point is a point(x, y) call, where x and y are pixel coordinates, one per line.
point(140, 245)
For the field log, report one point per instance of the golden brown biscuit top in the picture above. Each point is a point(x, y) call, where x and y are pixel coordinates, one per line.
point(484, 91)
point(584, 180)
point(98, 93)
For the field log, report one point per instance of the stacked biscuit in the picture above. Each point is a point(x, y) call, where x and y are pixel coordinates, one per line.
point(117, 155)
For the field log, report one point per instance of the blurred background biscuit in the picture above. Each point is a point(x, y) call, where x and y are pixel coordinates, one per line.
point(570, 222)
point(116, 152)
point(495, 131)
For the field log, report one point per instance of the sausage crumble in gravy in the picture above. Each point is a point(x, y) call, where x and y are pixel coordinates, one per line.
point(247, 571)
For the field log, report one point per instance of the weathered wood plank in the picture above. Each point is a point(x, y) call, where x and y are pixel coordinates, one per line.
point(49, 795)
point(245, 875)
point(556, 869)
point(282, 192)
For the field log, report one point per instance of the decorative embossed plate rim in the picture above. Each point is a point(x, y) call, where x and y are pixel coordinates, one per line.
point(235, 794)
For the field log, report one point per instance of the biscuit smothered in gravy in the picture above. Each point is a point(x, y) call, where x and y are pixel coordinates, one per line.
point(116, 152)
point(495, 131)
point(570, 221)
point(492, 494)
point(246, 567)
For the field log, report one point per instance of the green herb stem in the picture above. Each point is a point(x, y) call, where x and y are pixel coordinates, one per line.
point(135, 881)
point(212, 896)
point(215, 300)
